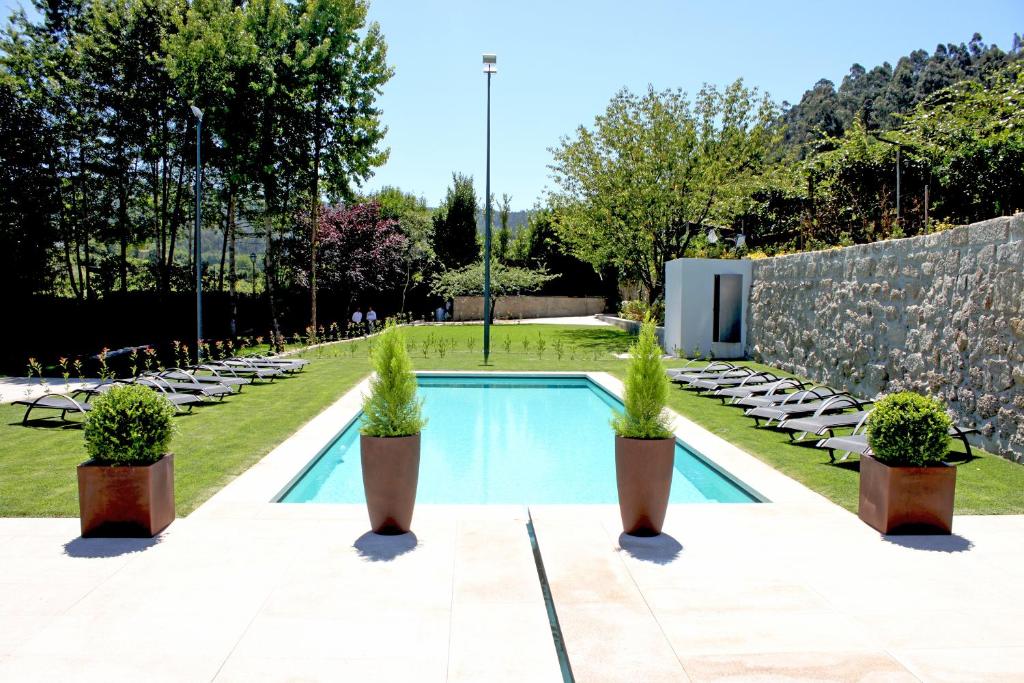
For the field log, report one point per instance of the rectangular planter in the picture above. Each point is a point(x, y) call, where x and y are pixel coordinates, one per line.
point(118, 501)
point(909, 500)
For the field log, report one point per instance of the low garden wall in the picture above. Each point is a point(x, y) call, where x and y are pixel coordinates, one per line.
point(941, 314)
point(514, 307)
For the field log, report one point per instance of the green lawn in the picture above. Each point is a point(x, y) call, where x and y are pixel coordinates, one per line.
point(218, 442)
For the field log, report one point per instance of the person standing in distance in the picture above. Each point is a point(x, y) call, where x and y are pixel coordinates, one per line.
point(371, 319)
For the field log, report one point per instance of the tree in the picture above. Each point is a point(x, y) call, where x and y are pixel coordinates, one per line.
point(338, 75)
point(973, 135)
point(505, 281)
point(504, 239)
point(413, 218)
point(656, 169)
point(359, 251)
point(455, 234)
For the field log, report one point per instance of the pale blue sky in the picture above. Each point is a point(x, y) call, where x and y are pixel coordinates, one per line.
point(560, 62)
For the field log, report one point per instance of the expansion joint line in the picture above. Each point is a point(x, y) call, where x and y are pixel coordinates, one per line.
point(549, 603)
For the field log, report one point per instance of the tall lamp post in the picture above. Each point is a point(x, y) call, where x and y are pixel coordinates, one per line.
point(252, 257)
point(199, 234)
point(490, 68)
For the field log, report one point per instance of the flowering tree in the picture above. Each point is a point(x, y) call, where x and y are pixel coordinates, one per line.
point(358, 251)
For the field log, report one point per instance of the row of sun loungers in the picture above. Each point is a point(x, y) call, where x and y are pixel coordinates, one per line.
point(184, 388)
point(789, 404)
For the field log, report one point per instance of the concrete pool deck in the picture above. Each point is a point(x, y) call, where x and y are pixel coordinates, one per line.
point(245, 589)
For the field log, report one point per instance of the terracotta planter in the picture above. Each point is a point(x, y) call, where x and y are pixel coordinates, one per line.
point(643, 472)
point(906, 499)
point(126, 500)
point(391, 471)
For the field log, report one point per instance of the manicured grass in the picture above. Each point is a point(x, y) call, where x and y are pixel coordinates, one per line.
point(218, 442)
point(986, 485)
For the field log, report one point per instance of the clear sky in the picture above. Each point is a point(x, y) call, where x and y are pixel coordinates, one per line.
point(560, 61)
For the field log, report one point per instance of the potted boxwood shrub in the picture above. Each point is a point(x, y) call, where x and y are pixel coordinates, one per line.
point(644, 446)
point(127, 486)
point(390, 436)
point(904, 485)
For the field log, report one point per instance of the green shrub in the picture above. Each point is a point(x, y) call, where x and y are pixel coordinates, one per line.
point(907, 429)
point(646, 391)
point(639, 310)
point(391, 408)
point(129, 425)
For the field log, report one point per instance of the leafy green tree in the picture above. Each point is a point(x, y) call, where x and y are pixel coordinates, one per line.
point(455, 234)
point(505, 281)
point(504, 237)
point(340, 69)
point(972, 133)
point(654, 171)
point(413, 218)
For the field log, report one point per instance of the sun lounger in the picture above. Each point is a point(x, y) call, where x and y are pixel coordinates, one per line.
point(283, 364)
point(821, 424)
point(752, 379)
point(191, 386)
point(711, 371)
point(802, 395)
point(178, 400)
point(279, 360)
point(858, 441)
point(691, 369)
point(176, 374)
point(241, 370)
point(744, 390)
point(835, 403)
point(62, 402)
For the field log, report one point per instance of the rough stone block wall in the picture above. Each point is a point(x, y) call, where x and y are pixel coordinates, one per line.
point(941, 314)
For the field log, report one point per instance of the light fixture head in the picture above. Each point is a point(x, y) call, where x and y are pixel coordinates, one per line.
point(741, 240)
point(712, 236)
point(197, 111)
point(490, 63)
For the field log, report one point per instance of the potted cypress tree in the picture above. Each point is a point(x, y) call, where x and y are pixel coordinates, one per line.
point(390, 436)
point(127, 486)
point(644, 446)
point(904, 485)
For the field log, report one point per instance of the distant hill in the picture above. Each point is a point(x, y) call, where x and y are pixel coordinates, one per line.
point(516, 220)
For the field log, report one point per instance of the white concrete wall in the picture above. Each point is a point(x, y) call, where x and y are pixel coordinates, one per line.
point(689, 306)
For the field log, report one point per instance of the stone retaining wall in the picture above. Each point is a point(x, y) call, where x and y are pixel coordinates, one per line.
point(942, 314)
point(512, 307)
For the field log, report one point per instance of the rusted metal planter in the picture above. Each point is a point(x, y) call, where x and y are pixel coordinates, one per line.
point(909, 500)
point(643, 473)
point(117, 501)
point(391, 471)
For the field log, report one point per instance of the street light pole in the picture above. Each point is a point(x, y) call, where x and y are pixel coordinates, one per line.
point(252, 257)
point(199, 235)
point(490, 67)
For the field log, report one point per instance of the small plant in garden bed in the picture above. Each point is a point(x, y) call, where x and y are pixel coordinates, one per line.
point(909, 430)
point(129, 425)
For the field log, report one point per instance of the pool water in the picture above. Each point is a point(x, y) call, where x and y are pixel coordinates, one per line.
point(511, 440)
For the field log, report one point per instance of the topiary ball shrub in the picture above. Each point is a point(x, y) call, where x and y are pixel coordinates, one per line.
point(391, 408)
point(646, 390)
point(909, 430)
point(129, 425)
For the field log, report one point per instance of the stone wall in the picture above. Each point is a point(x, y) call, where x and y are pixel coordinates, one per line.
point(512, 307)
point(942, 314)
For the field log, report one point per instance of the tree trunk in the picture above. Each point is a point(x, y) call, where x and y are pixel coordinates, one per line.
point(225, 225)
point(315, 215)
point(122, 221)
point(232, 271)
point(175, 221)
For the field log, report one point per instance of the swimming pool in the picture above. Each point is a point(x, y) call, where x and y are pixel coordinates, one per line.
point(511, 440)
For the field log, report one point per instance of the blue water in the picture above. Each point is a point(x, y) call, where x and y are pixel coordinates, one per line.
point(518, 440)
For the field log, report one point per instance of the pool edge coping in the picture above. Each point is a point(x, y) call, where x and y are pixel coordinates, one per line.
point(274, 474)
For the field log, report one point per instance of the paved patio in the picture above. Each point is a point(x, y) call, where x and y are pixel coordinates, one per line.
point(245, 589)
